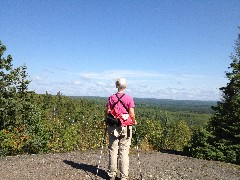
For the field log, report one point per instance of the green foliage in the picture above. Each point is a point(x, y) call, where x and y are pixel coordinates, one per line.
point(181, 135)
point(176, 136)
point(199, 145)
point(12, 142)
point(149, 133)
point(204, 145)
point(13, 86)
point(221, 139)
point(20, 120)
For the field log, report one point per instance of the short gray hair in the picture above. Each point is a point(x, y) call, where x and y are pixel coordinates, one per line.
point(121, 83)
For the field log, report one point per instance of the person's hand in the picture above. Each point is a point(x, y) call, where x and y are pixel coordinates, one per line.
point(134, 122)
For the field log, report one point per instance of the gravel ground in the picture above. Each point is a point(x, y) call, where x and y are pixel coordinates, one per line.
point(83, 166)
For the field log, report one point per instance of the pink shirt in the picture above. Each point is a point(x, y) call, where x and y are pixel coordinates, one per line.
point(126, 99)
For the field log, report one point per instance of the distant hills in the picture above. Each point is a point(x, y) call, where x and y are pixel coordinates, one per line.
point(179, 105)
point(167, 104)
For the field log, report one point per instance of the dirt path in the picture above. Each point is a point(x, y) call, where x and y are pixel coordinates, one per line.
point(83, 166)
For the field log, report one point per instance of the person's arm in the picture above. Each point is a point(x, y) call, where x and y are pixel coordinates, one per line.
point(132, 115)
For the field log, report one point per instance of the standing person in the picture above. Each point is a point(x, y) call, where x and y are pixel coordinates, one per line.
point(121, 105)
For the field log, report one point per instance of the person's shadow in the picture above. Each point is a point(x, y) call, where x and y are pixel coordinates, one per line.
point(88, 168)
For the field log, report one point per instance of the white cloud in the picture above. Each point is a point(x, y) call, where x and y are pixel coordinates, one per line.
point(140, 84)
point(36, 78)
point(109, 75)
point(77, 82)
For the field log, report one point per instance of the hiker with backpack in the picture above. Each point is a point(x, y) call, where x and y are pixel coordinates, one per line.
point(120, 117)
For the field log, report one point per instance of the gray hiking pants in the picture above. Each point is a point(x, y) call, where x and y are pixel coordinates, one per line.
point(119, 144)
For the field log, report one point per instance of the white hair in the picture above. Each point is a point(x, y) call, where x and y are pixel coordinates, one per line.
point(121, 83)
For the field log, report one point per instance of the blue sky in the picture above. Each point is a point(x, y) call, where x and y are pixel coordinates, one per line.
point(165, 49)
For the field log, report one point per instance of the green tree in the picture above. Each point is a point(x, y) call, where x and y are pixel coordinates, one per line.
point(222, 136)
point(21, 128)
point(13, 92)
point(176, 136)
point(225, 123)
point(8, 91)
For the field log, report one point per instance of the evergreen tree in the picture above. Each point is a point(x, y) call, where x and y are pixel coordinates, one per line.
point(221, 139)
point(8, 91)
point(14, 102)
point(21, 128)
point(225, 123)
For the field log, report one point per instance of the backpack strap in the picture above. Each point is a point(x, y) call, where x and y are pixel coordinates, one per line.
point(119, 99)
